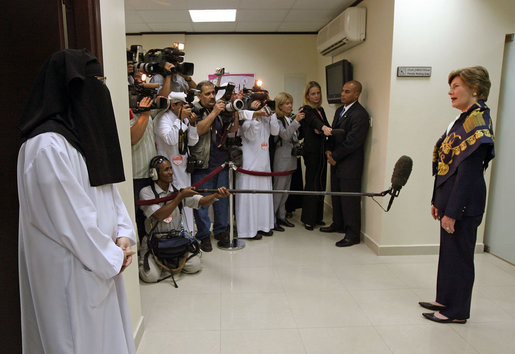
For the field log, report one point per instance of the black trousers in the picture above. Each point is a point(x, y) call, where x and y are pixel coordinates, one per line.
point(294, 201)
point(456, 268)
point(316, 175)
point(346, 210)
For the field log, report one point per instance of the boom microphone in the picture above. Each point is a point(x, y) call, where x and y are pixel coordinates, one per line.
point(400, 176)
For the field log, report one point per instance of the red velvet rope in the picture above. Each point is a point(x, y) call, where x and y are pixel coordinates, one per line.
point(267, 174)
point(170, 197)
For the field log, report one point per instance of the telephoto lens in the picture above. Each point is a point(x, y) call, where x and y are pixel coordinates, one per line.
point(234, 106)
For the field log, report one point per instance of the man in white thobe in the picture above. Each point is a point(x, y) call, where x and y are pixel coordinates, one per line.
point(173, 137)
point(255, 212)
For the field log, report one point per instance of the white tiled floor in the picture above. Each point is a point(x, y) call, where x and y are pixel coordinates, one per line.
point(295, 292)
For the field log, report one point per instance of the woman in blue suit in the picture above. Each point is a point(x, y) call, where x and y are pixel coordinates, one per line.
point(460, 158)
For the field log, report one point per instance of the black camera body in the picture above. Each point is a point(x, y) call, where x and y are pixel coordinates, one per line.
point(262, 96)
point(138, 91)
point(231, 141)
point(298, 149)
point(155, 59)
point(190, 96)
point(230, 106)
point(193, 164)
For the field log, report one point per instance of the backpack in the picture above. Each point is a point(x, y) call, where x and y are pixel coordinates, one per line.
point(164, 254)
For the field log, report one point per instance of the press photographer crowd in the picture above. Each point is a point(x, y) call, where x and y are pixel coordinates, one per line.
point(185, 134)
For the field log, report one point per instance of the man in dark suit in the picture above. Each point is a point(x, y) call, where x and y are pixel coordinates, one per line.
point(345, 154)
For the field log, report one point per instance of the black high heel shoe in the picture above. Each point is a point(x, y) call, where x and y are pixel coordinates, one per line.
point(308, 227)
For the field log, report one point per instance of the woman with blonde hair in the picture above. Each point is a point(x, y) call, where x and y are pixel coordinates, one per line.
point(284, 157)
point(315, 128)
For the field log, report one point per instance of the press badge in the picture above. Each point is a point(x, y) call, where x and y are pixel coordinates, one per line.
point(177, 160)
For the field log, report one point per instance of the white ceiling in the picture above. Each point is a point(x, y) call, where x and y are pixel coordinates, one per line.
point(146, 16)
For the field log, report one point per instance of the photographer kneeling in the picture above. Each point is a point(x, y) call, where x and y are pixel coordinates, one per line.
point(169, 215)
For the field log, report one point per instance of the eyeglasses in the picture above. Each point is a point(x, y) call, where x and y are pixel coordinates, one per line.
point(102, 79)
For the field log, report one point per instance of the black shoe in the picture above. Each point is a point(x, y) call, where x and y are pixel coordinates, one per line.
point(430, 306)
point(431, 316)
point(321, 222)
point(205, 244)
point(279, 228)
point(285, 223)
point(268, 233)
point(257, 237)
point(330, 228)
point(308, 227)
point(347, 241)
point(222, 236)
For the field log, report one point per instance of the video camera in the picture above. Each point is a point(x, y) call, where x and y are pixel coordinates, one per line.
point(251, 95)
point(139, 91)
point(154, 62)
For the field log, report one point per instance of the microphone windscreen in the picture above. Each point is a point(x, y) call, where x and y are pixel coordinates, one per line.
point(401, 172)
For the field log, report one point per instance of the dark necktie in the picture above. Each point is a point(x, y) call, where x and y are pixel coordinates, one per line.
point(340, 116)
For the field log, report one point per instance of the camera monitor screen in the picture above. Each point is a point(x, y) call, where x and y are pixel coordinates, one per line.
point(336, 75)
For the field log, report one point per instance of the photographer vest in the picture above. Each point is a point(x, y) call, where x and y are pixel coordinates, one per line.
point(201, 149)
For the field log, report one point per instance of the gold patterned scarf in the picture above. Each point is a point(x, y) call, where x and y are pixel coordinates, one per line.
point(471, 129)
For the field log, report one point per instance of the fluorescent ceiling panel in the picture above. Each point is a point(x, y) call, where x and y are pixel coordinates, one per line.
point(227, 15)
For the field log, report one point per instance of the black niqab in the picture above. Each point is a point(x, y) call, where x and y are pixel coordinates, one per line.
point(68, 99)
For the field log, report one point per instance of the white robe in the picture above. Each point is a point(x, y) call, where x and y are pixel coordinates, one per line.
point(166, 130)
point(255, 212)
point(72, 298)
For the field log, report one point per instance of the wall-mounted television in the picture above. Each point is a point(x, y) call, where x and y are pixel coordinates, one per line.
point(336, 75)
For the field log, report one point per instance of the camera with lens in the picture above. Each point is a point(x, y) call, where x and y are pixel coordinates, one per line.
point(231, 141)
point(230, 105)
point(251, 95)
point(135, 53)
point(139, 91)
point(155, 59)
point(190, 96)
point(193, 164)
point(298, 149)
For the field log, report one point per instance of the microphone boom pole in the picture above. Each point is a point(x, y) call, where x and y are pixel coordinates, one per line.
point(262, 191)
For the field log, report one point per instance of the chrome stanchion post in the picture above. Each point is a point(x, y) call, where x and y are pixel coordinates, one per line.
point(234, 244)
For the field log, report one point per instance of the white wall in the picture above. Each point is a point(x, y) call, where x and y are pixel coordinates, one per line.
point(371, 62)
point(408, 114)
point(115, 68)
point(272, 58)
point(445, 35)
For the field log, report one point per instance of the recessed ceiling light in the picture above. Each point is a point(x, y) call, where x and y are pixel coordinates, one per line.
point(228, 15)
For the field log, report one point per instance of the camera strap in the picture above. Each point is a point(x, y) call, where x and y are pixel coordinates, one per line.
point(183, 137)
point(225, 132)
point(152, 186)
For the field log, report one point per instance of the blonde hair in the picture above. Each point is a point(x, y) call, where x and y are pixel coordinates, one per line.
point(475, 77)
point(309, 86)
point(281, 99)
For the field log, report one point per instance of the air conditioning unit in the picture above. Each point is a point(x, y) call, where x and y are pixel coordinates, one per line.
point(344, 32)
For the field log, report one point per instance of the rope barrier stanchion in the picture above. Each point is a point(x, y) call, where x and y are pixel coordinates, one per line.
point(234, 244)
